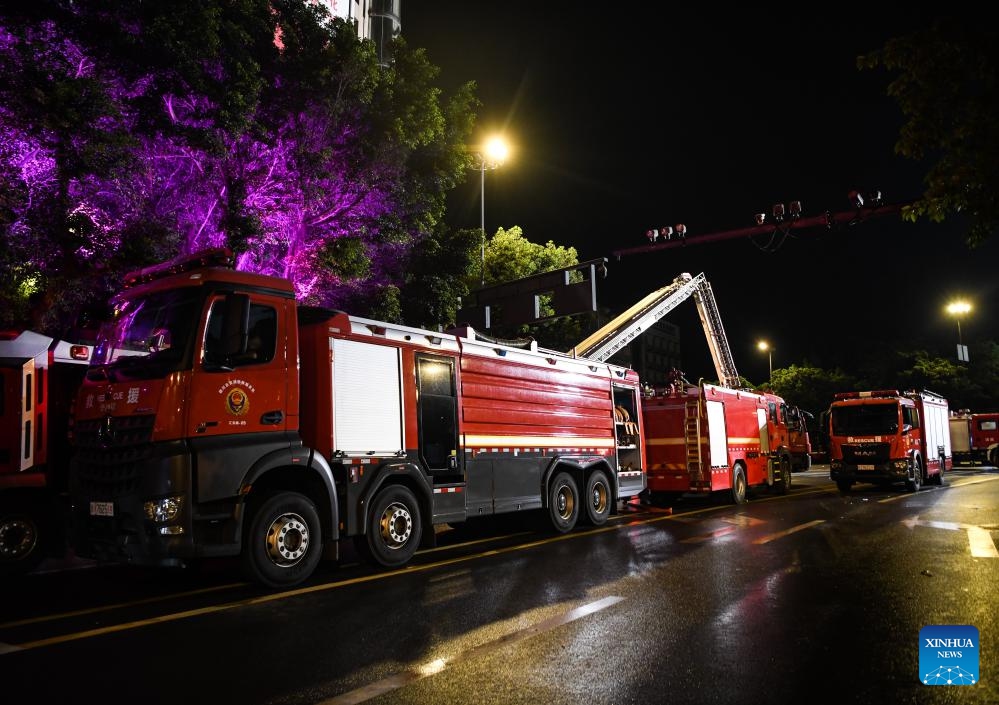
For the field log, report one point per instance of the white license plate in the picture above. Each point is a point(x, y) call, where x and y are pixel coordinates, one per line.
point(102, 509)
point(865, 467)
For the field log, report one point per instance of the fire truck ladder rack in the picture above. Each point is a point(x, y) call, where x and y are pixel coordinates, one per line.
point(636, 320)
point(692, 438)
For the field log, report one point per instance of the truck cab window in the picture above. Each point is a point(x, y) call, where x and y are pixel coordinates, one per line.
point(261, 337)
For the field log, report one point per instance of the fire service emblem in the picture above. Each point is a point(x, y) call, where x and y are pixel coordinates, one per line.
point(237, 402)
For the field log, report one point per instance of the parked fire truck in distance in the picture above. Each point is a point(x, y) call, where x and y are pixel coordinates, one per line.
point(975, 438)
point(884, 437)
point(40, 376)
point(794, 423)
point(708, 438)
point(221, 418)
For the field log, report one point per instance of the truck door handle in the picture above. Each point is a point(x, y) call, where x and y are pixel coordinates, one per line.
point(271, 418)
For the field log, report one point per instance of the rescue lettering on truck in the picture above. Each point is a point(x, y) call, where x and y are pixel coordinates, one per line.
point(886, 436)
point(221, 418)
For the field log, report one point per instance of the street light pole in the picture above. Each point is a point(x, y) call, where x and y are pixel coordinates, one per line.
point(492, 155)
point(482, 221)
point(765, 347)
point(958, 309)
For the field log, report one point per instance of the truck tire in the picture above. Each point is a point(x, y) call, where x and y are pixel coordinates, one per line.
point(783, 479)
point(393, 528)
point(844, 485)
point(916, 482)
point(598, 498)
point(283, 544)
point(23, 537)
point(563, 502)
point(994, 457)
point(740, 490)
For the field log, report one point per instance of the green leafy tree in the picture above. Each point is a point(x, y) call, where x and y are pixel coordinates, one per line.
point(810, 388)
point(946, 81)
point(510, 256)
point(437, 278)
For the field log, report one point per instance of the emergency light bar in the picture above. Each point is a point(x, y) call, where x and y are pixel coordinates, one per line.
point(880, 394)
point(218, 257)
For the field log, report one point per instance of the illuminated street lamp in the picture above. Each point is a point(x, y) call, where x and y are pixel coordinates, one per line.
point(492, 155)
point(957, 309)
point(764, 346)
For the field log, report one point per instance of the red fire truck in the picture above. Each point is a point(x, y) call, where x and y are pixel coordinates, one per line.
point(705, 438)
point(975, 438)
point(221, 418)
point(798, 442)
point(887, 436)
point(40, 376)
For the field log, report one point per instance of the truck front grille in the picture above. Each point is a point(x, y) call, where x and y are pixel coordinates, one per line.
point(866, 453)
point(111, 451)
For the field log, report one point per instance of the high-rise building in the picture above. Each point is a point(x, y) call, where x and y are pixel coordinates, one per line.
point(377, 20)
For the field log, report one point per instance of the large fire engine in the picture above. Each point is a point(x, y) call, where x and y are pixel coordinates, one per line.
point(886, 436)
point(975, 437)
point(220, 418)
point(705, 438)
point(40, 376)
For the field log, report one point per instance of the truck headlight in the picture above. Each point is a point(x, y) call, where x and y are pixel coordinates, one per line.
point(163, 510)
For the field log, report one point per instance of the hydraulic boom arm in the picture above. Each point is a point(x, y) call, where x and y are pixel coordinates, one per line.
point(636, 320)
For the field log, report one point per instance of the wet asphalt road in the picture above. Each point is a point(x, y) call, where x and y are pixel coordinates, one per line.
point(812, 597)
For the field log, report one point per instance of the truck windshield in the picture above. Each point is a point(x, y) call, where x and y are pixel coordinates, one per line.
point(865, 419)
point(151, 335)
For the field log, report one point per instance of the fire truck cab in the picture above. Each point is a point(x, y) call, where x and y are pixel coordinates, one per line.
point(886, 436)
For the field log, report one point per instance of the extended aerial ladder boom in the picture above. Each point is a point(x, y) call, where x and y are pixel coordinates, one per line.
point(721, 354)
point(640, 317)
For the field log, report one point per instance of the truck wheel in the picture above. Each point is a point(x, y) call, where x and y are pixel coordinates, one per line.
point(783, 484)
point(284, 541)
point(844, 485)
point(939, 480)
point(914, 484)
point(994, 458)
point(22, 538)
point(598, 498)
point(394, 528)
point(563, 502)
point(739, 487)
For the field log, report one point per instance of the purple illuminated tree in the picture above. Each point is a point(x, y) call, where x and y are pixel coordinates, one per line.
point(132, 132)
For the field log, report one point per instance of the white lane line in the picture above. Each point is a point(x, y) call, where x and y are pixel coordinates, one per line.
point(982, 545)
point(979, 540)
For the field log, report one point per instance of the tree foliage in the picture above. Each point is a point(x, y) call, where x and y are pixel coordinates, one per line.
point(810, 388)
point(133, 132)
point(946, 85)
point(510, 256)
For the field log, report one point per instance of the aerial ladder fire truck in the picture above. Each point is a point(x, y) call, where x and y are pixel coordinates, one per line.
point(706, 437)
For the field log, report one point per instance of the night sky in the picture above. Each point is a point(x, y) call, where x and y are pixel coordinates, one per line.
point(632, 118)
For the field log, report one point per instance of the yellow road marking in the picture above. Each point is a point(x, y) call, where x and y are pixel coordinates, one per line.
point(788, 532)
